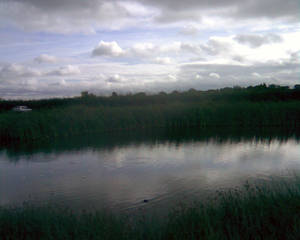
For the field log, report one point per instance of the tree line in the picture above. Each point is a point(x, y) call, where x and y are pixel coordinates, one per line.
point(252, 93)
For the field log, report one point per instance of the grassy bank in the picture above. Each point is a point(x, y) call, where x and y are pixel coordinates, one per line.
point(254, 212)
point(253, 107)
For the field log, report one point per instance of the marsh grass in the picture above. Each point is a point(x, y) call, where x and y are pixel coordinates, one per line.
point(258, 106)
point(256, 211)
point(81, 119)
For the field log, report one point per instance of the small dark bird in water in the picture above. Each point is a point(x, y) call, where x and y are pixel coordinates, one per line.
point(146, 200)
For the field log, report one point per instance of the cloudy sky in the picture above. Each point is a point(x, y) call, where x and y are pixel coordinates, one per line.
point(62, 47)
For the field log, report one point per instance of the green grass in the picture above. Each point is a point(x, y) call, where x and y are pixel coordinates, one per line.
point(268, 211)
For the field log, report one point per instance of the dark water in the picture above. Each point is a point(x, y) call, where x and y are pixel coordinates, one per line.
point(120, 171)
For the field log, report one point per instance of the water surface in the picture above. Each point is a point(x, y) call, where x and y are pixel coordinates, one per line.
point(119, 173)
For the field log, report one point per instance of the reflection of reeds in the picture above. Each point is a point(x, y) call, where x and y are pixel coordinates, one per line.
point(255, 212)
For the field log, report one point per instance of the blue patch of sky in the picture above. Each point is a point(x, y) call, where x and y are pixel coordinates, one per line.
point(19, 46)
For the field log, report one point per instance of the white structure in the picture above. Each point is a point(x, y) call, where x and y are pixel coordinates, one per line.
point(21, 109)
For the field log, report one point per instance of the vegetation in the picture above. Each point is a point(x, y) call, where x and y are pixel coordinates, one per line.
point(257, 211)
point(251, 93)
point(257, 106)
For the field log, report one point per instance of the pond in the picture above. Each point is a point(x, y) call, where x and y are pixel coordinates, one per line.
point(137, 170)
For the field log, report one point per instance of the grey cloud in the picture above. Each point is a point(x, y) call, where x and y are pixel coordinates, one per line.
point(288, 9)
point(59, 83)
point(215, 47)
point(56, 5)
point(238, 58)
point(212, 47)
point(171, 16)
point(295, 57)
point(272, 9)
point(63, 16)
point(286, 73)
point(45, 58)
point(66, 70)
point(86, 16)
point(192, 48)
point(229, 69)
point(194, 10)
point(16, 73)
point(11, 72)
point(25, 92)
point(255, 41)
point(177, 5)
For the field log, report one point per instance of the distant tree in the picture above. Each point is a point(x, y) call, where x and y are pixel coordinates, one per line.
point(162, 94)
point(297, 86)
point(84, 94)
point(140, 94)
point(226, 89)
point(192, 90)
point(261, 86)
point(274, 86)
point(114, 94)
point(237, 87)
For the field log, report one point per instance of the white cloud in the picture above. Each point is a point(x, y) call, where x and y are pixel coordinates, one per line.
point(111, 49)
point(150, 57)
point(163, 60)
point(172, 77)
point(221, 49)
point(116, 78)
point(214, 75)
point(198, 76)
point(45, 58)
point(103, 78)
point(144, 49)
point(147, 50)
point(255, 74)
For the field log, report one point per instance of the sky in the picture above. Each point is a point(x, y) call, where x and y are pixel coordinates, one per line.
point(60, 48)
